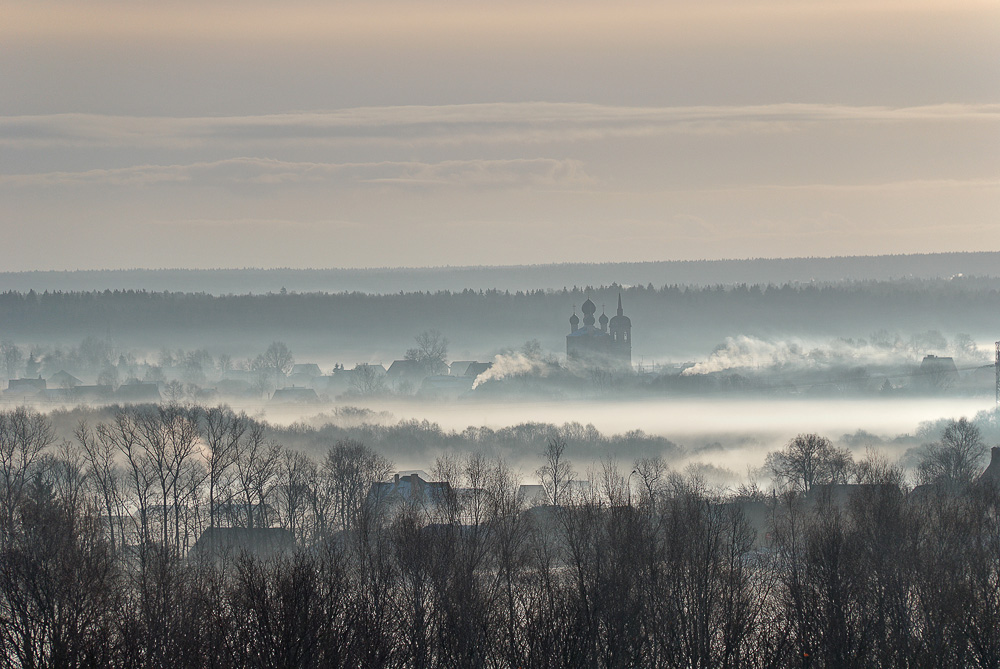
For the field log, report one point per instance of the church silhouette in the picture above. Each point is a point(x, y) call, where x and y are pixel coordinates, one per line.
point(609, 344)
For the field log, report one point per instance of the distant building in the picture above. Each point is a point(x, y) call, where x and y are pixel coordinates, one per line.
point(937, 373)
point(533, 494)
point(459, 367)
point(234, 388)
point(25, 387)
point(409, 370)
point(310, 368)
point(477, 368)
point(138, 393)
point(294, 395)
point(63, 379)
point(469, 368)
point(408, 488)
point(79, 394)
point(992, 474)
point(610, 344)
point(217, 543)
point(366, 366)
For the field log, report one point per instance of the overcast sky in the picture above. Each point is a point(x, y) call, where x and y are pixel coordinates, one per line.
point(375, 133)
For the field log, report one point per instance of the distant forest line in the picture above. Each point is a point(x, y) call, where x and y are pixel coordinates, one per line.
point(669, 322)
point(526, 277)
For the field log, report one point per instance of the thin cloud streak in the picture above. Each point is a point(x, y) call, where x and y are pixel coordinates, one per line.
point(529, 122)
point(270, 172)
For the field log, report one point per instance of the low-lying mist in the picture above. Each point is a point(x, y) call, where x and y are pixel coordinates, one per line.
point(726, 440)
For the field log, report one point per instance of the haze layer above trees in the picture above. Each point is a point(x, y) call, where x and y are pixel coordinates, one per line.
point(531, 277)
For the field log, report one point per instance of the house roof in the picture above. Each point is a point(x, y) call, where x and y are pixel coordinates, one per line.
point(261, 542)
point(459, 367)
point(295, 394)
point(405, 368)
point(477, 368)
point(30, 385)
point(63, 378)
point(362, 365)
point(138, 392)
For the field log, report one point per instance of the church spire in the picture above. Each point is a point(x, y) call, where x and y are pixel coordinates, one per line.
point(621, 311)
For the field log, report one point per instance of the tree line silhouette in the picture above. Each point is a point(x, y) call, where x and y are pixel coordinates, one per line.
point(668, 318)
point(650, 568)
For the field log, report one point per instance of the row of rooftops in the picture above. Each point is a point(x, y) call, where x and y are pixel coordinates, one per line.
point(303, 384)
point(40, 389)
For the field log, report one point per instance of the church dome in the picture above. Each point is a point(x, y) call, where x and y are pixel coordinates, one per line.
point(621, 321)
point(603, 319)
point(588, 309)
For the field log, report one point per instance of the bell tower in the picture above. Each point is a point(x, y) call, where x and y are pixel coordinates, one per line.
point(620, 328)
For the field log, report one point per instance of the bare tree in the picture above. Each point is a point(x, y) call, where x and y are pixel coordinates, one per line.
point(262, 379)
point(367, 380)
point(103, 475)
point(957, 458)
point(809, 460)
point(278, 359)
point(352, 468)
point(169, 435)
point(613, 485)
point(652, 474)
point(224, 363)
point(256, 468)
point(24, 435)
point(174, 391)
point(557, 472)
point(123, 434)
point(68, 473)
point(295, 472)
point(431, 351)
point(12, 357)
point(222, 431)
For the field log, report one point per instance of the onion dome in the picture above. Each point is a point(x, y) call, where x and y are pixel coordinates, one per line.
point(588, 310)
point(603, 320)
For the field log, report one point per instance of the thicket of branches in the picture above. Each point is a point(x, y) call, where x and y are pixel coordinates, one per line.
point(646, 569)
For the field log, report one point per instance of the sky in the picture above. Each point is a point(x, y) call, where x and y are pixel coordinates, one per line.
point(460, 132)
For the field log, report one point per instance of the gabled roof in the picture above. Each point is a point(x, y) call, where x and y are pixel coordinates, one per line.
point(405, 368)
point(63, 379)
point(26, 385)
point(295, 394)
point(477, 368)
point(138, 392)
point(363, 365)
point(261, 542)
point(460, 367)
